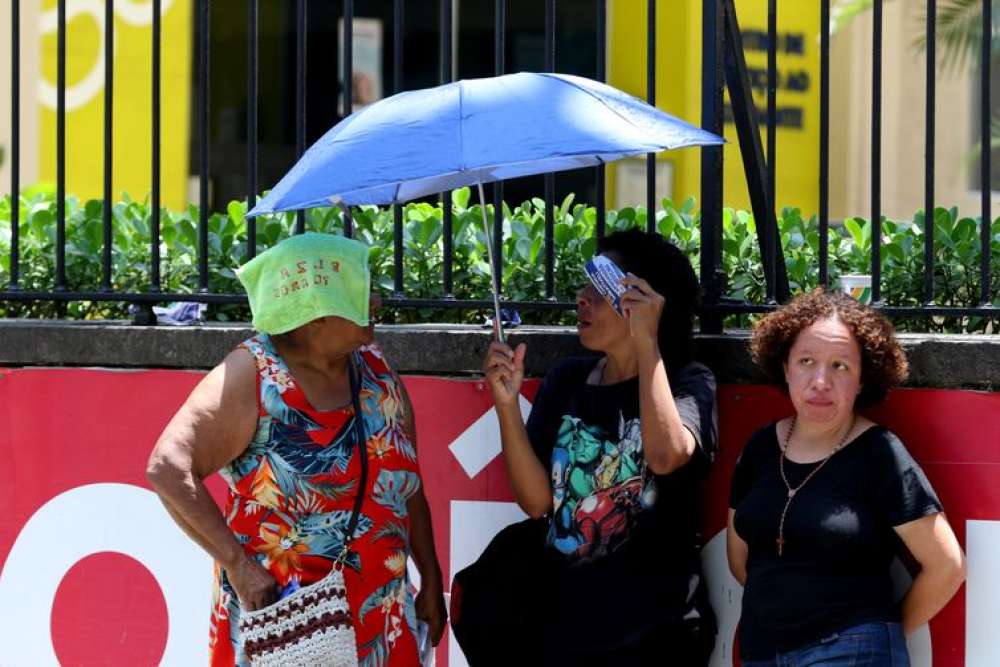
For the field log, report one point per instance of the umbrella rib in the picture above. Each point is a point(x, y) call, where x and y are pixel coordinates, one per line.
point(610, 108)
point(587, 92)
point(461, 132)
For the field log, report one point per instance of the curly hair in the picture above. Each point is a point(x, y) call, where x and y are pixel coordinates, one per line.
point(883, 364)
point(669, 272)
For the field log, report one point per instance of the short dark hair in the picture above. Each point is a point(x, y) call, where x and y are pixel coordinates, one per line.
point(883, 364)
point(668, 271)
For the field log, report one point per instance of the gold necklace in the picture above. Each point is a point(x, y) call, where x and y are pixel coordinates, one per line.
point(793, 490)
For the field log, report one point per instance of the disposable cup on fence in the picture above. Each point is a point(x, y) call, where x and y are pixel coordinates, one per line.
point(858, 286)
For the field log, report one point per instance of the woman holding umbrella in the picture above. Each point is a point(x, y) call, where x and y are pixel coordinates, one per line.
point(607, 569)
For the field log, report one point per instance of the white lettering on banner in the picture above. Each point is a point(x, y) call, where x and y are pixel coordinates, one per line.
point(414, 575)
point(982, 594)
point(918, 642)
point(473, 525)
point(132, 522)
point(92, 519)
point(479, 444)
point(726, 596)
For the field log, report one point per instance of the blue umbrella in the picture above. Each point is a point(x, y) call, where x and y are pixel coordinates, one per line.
point(472, 132)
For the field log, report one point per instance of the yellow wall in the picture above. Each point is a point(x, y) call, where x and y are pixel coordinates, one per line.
point(132, 98)
point(678, 90)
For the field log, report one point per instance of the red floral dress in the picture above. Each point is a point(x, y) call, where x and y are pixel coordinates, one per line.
point(290, 499)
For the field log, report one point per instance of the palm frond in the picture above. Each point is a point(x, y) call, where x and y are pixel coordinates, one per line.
point(393, 488)
point(959, 32)
point(374, 600)
point(331, 490)
point(392, 530)
point(376, 652)
point(959, 28)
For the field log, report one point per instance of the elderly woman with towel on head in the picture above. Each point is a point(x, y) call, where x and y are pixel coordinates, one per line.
point(296, 419)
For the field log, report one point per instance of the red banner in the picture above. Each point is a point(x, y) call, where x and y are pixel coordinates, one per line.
point(95, 572)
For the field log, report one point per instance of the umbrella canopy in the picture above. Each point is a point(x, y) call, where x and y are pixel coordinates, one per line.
point(426, 141)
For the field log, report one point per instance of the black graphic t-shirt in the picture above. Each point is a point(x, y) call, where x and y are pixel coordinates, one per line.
point(628, 538)
point(839, 539)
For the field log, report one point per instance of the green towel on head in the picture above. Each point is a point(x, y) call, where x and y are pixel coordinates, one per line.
point(306, 277)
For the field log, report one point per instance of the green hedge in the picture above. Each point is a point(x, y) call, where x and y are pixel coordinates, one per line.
point(956, 242)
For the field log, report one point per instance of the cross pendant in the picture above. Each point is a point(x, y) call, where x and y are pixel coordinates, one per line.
point(781, 545)
point(791, 493)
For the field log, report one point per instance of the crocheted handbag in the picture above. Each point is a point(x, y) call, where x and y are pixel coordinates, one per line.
point(313, 625)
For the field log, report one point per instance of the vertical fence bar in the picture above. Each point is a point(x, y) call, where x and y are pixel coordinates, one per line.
point(252, 39)
point(931, 97)
point(15, 144)
point(446, 206)
point(772, 98)
point(985, 117)
point(550, 179)
point(651, 98)
point(154, 218)
point(348, 90)
point(61, 146)
point(876, 239)
point(300, 96)
point(499, 48)
point(397, 86)
point(204, 12)
point(824, 143)
point(772, 148)
point(109, 79)
point(711, 164)
point(602, 56)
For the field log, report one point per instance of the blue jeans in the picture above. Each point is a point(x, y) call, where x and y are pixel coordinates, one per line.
point(875, 644)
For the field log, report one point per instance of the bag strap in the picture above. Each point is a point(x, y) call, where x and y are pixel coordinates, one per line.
point(359, 435)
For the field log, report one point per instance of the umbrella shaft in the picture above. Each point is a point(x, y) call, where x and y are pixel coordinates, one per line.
point(494, 278)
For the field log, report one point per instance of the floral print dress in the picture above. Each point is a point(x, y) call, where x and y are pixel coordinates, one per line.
point(290, 498)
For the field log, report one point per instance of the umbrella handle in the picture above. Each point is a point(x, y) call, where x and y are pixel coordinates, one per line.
point(494, 278)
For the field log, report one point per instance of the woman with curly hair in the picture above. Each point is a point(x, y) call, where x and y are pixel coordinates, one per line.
point(822, 500)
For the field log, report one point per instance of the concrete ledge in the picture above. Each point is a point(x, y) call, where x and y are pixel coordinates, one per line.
point(936, 361)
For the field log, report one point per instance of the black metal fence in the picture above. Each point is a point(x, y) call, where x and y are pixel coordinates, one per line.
point(723, 67)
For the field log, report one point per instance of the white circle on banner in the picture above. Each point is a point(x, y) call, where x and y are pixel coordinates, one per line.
point(91, 519)
point(726, 596)
point(87, 88)
point(139, 13)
